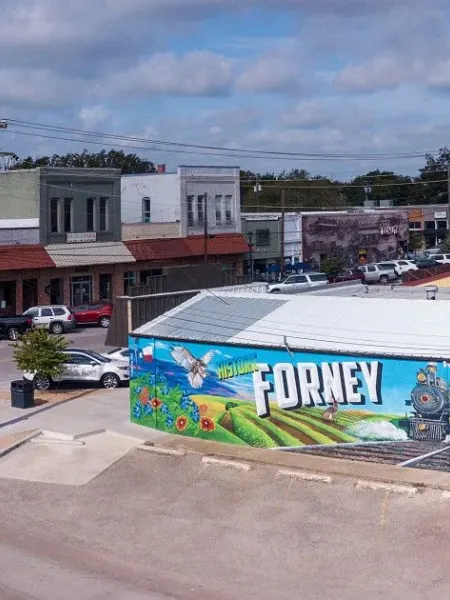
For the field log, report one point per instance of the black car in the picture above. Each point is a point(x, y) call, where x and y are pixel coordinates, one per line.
point(13, 326)
point(426, 263)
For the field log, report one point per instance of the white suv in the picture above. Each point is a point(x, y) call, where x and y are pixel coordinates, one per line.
point(443, 259)
point(295, 283)
point(57, 319)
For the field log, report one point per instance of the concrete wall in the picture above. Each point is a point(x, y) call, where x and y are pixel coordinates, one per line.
point(19, 235)
point(148, 231)
point(162, 189)
point(19, 194)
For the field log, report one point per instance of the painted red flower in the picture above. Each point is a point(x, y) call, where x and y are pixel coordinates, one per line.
point(203, 409)
point(181, 423)
point(144, 397)
point(155, 403)
point(207, 424)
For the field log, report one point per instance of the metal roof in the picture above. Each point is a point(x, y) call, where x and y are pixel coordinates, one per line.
point(401, 292)
point(87, 254)
point(310, 322)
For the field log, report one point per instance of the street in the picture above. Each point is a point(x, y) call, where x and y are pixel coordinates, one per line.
point(92, 338)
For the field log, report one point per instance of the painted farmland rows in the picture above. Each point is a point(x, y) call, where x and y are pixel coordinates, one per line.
point(334, 433)
point(278, 434)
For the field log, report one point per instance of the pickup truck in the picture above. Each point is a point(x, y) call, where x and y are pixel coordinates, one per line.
point(12, 327)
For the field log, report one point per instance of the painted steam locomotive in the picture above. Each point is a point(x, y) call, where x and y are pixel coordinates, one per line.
point(431, 402)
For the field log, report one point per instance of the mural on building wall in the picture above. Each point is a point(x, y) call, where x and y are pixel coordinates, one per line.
point(268, 398)
point(380, 236)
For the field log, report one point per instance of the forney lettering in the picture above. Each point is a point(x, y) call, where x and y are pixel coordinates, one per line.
point(308, 384)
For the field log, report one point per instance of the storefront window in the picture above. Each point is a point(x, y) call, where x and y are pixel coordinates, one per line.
point(81, 289)
point(105, 286)
point(129, 281)
point(56, 291)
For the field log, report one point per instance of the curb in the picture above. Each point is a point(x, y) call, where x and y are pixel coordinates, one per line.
point(232, 464)
point(387, 487)
point(304, 476)
point(161, 450)
point(316, 467)
point(19, 442)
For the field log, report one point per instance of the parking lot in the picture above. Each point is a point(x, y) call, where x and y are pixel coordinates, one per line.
point(92, 338)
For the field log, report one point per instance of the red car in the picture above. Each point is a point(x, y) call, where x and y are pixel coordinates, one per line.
point(93, 314)
point(347, 275)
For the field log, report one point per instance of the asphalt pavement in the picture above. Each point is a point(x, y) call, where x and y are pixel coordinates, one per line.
point(88, 338)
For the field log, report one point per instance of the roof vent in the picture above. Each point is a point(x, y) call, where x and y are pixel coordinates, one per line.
point(431, 291)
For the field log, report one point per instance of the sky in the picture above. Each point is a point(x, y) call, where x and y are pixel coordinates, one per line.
point(301, 76)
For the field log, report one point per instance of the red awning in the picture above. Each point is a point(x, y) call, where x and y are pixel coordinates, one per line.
point(28, 256)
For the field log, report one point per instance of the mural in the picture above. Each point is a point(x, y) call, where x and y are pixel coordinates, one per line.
point(271, 398)
point(380, 235)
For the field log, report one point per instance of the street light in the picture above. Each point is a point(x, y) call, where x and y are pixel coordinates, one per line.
point(250, 243)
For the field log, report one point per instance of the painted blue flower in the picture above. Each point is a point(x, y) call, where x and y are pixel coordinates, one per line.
point(164, 409)
point(148, 410)
point(169, 421)
point(186, 402)
point(152, 379)
point(164, 390)
point(137, 410)
point(138, 389)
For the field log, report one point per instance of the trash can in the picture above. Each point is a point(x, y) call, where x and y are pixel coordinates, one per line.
point(22, 393)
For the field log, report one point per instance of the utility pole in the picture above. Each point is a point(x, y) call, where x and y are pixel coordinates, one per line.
point(282, 231)
point(250, 243)
point(205, 227)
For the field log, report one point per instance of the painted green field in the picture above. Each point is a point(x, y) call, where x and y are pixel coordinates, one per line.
point(154, 404)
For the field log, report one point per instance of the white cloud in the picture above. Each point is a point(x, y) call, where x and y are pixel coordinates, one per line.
point(91, 116)
point(36, 87)
point(304, 114)
point(269, 74)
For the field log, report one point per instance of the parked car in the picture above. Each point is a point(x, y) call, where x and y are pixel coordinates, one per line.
point(86, 366)
point(377, 274)
point(347, 275)
point(13, 327)
point(442, 259)
point(57, 318)
point(404, 265)
point(390, 265)
point(295, 283)
point(98, 313)
point(119, 354)
point(426, 263)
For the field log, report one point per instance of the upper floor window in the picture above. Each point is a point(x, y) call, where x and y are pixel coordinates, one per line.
point(218, 206)
point(200, 210)
point(262, 237)
point(190, 210)
point(146, 210)
point(90, 214)
point(54, 215)
point(103, 214)
point(228, 210)
point(68, 215)
point(415, 225)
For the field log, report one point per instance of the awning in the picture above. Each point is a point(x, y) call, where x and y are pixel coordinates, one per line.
point(96, 253)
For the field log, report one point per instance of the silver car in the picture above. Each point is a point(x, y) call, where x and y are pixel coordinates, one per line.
point(56, 318)
point(378, 274)
point(86, 366)
point(119, 354)
point(296, 283)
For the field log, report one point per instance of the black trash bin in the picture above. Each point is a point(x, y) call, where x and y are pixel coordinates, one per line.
point(22, 393)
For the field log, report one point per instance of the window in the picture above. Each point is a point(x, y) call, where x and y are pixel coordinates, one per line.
point(129, 280)
point(90, 214)
point(371, 269)
point(103, 214)
point(218, 205)
point(430, 225)
point(146, 210)
point(67, 220)
point(441, 224)
point(200, 210)
point(79, 359)
point(54, 215)
point(318, 278)
point(59, 312)
point(46, 312)
point(228, 210)
point(81, 289)
point(56, 291)
point(190, 210)
point(296, 279)
point(105, 286)
point(262, 237)
point(415, 225)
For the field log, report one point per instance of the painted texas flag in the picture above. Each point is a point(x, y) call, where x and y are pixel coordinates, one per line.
point(147, 353)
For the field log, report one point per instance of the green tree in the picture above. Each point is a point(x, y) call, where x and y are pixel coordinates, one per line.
point(40, 352)
point(415, 242)
point(445, 246)
point(332, 266)
point(114, 159)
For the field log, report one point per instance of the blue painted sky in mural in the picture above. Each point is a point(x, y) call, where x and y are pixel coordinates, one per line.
point(398, 377)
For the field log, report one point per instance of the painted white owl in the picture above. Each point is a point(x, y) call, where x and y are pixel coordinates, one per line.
point(196, 367)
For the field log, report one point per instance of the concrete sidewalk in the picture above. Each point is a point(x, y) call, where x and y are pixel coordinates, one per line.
point(99, 409)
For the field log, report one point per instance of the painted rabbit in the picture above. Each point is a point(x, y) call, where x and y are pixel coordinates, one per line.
point(329, 413)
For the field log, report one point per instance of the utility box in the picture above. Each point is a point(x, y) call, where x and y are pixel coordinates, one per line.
point(22, 394)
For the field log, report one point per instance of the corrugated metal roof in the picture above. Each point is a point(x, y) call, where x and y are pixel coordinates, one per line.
point(16, 257)
point(327, 324)
point(86, 254)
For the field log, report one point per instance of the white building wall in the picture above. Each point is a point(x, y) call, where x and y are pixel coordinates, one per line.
point(164, 193)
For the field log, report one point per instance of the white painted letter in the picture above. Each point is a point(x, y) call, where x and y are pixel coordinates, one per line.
point(308, 375)
point(332, 382)
point(371, 376)
point(286, 391)
point(351, 383)
point(262, 388)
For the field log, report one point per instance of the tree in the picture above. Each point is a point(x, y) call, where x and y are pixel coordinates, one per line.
point(332, 266)
point(40, 352)
point(114, 159)
point(445, 246)
point(415, 242)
